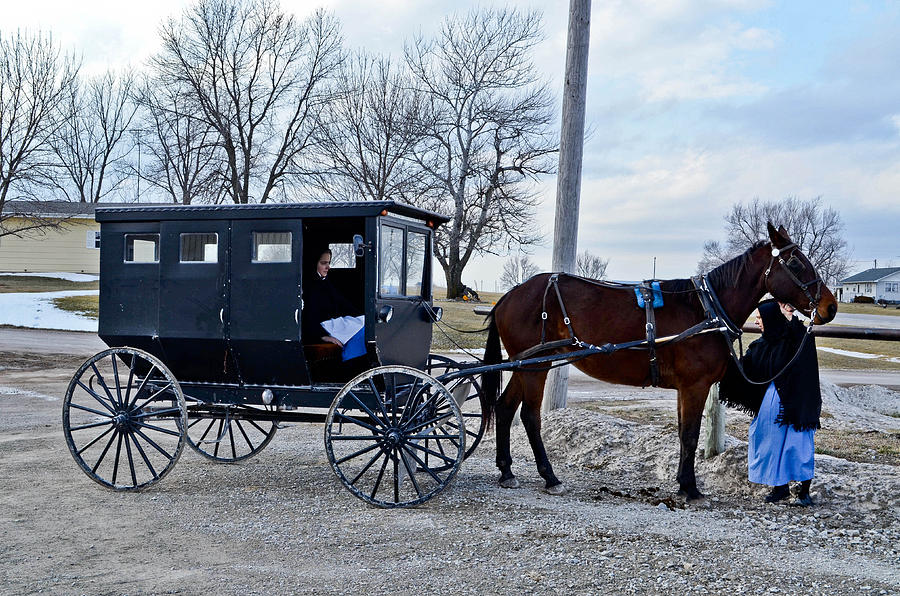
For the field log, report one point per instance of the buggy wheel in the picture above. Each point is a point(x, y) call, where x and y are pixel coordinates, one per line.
point(395, 436)
point(227, 434)
point(124, 418)
point(467, 393)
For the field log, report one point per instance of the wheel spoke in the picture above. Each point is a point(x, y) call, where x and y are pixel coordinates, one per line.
point(359, 422)
point(158, 429)
point(145, 458)
point(432, 452)
point(134, 481)
point(153, 444)
point(96, 396)
point(92, 425)
point(105, 451)
point(430, 422)
point(97, 438)
point(244, 434)
point(115, 367)
point(140, 388)
point(387, 458)
point(103, 384)
point(153, 397)
point(157, 413)
point(367, 466)
point(423, 465)
point(355, 454)
point(377, 394)
point(92, 411)
point(118, 453)
point(412, 476)
point(366, 409)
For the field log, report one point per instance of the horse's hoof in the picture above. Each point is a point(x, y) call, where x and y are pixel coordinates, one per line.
point(509, 482)
point(556, 490)
point(691, 494)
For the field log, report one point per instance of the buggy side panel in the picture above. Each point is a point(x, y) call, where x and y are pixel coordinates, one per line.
point(192, 291)
point(264, 312)
point(129, 286)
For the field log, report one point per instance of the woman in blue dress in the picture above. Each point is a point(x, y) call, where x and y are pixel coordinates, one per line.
point(781, 440)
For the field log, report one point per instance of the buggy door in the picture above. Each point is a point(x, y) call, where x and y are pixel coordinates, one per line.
point(264, 317)
point(192, 299)
point(404, 285)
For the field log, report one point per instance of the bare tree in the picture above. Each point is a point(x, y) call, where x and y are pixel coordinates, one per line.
point(517, 269)
point(368, 134)
point(486, 133)
point(90, 146)
point(590, 265)
point(34, 77)
point(256, 76)
point(184, 160)
point(817, 230)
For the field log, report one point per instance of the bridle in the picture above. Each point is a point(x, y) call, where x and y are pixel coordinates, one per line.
point(804, 286)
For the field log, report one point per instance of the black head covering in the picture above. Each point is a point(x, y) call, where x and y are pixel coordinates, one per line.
point(788, 353)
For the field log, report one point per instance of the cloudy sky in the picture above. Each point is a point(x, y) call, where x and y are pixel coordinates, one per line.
point(693, 106)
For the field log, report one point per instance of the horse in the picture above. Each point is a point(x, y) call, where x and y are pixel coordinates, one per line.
point(601, 313)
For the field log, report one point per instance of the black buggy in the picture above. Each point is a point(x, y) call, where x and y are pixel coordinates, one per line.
point(201, 307)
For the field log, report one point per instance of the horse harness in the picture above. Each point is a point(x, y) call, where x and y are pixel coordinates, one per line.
point(715, 320)
point(715, 317)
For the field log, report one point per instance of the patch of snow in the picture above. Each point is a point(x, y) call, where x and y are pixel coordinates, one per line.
point(13, 391)
point(36, 310)
point(59, 275)
point(849, 353)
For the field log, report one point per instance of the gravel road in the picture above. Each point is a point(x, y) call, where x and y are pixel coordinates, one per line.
point(282, 523)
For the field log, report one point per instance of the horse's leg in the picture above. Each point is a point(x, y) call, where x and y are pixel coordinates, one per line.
point(504, 412)
point(691, 401)
point(531, 420)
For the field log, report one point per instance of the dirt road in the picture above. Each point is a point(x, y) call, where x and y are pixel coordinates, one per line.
point(282, 523)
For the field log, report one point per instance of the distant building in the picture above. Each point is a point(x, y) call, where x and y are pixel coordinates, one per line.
point(882, 285)
point(73, 245)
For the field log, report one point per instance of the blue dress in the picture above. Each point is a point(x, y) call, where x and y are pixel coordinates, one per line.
point(777, 454)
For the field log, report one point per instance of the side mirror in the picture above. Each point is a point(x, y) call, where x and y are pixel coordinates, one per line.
point(359, 246)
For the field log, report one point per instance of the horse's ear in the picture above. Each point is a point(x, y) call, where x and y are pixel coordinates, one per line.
point(778, 237)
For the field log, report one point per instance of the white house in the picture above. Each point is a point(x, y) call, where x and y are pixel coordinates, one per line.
point(881, 284)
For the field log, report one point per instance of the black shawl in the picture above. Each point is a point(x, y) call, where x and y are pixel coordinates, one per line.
point(322, 301)
point(798, 385)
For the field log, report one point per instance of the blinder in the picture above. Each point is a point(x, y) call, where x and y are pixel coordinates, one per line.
point(793, 266)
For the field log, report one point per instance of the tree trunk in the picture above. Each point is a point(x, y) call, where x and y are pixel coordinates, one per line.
point(453, 276)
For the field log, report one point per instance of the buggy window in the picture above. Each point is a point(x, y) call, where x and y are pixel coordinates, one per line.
point(415, 263)
point(199, 248)
point(391, 263)
point(142, 248)
point(272, 247)
point(342, 256)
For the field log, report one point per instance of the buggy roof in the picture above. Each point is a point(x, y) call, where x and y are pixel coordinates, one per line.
point(329, 209)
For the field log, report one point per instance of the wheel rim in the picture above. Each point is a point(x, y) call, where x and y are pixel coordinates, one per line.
point(124, 418)
point(467, 393)
point(227, 434)
point(380, 428)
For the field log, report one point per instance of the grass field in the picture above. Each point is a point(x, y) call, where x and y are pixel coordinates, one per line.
point(88, 306)
point(17, 283)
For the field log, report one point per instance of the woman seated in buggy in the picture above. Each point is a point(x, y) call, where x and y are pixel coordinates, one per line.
point(331, 325)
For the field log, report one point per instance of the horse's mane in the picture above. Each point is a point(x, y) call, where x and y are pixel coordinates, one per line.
point(726, 274)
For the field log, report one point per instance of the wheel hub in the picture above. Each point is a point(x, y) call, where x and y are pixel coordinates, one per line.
point(393, 437)
point(122, 420)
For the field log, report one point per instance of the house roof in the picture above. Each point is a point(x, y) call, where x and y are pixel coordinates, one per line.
point(49, 209)
point(871, 275)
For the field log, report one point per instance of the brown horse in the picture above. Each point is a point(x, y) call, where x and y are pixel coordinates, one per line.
point(601, 314)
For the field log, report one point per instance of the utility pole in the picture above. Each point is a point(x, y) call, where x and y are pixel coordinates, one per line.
point(568, 184)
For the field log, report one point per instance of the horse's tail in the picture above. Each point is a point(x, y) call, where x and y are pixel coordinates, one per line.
point(490, 381)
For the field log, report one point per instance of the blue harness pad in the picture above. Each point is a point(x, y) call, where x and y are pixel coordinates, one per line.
point(657, 295)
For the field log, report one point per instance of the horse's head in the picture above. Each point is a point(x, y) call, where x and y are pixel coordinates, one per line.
point(791, 278)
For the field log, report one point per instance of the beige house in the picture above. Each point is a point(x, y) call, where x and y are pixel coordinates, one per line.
point(72, 246)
